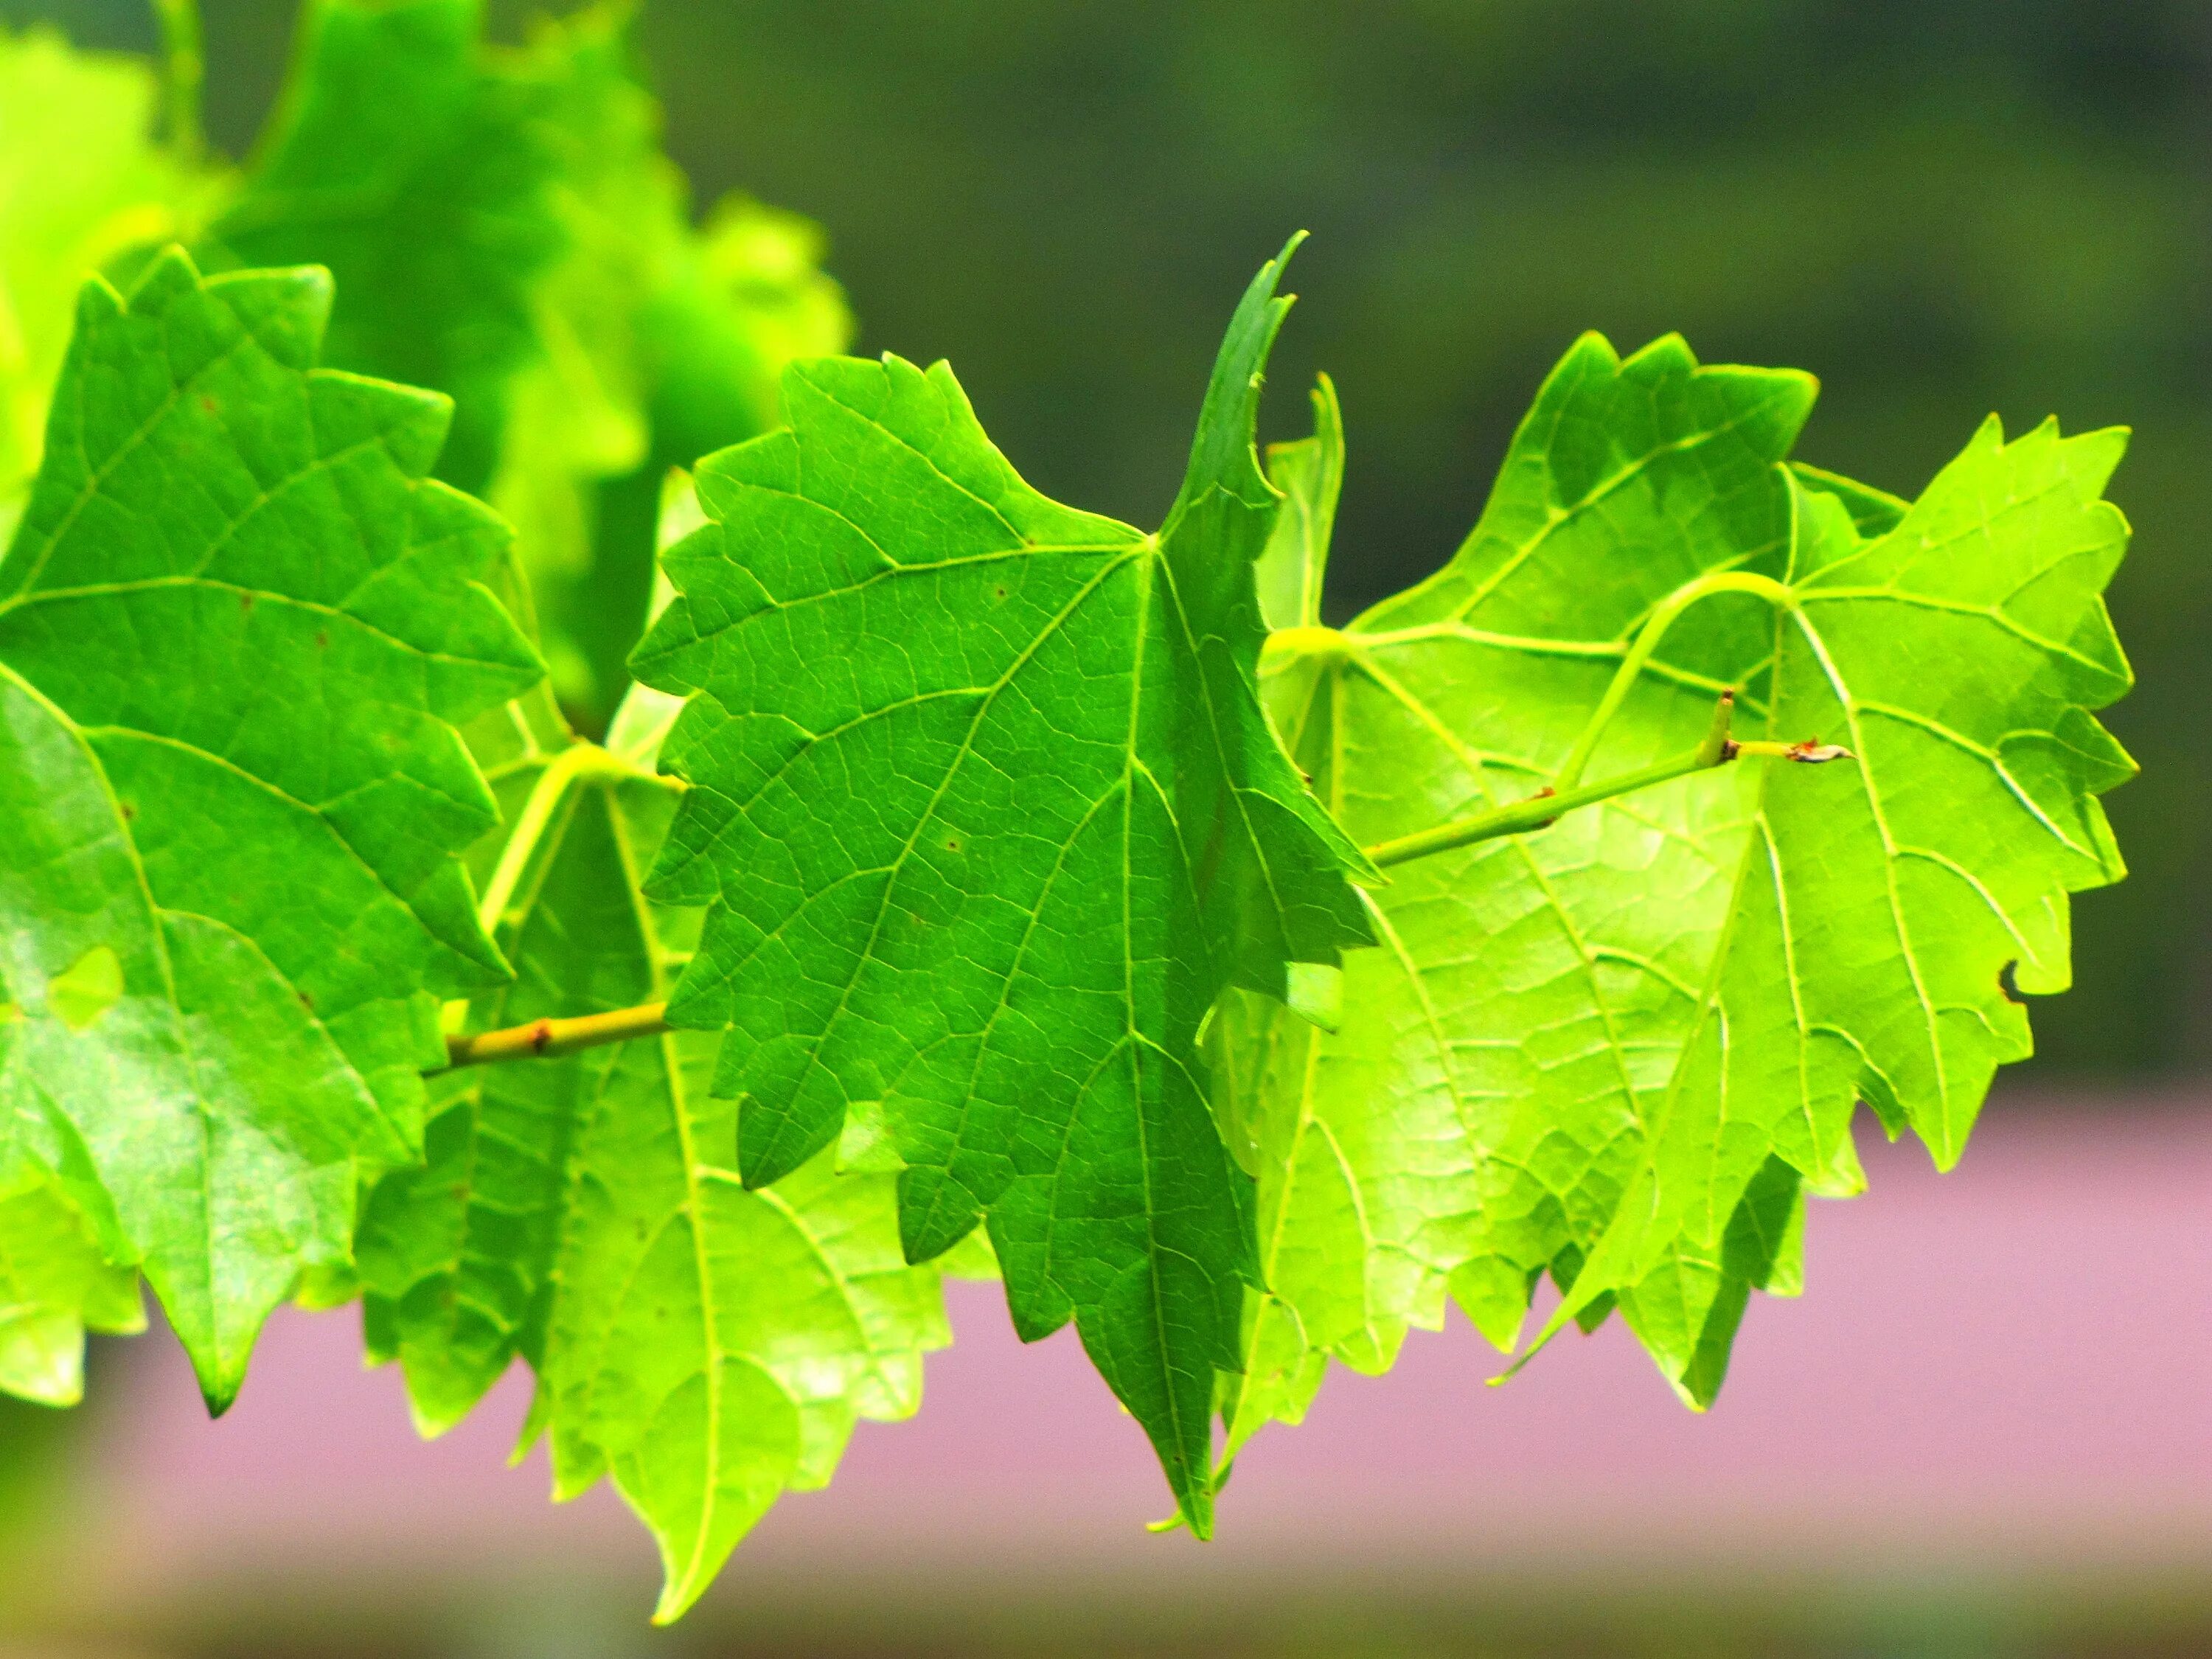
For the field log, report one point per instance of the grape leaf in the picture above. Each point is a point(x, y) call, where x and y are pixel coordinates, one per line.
point(986, 812)
point(80, 181)
point(235, 626)
point(416, 166)
point(1482, 1114)
point(1886, 917)
point(55, 1283)
point(578, 412)
point(706, 1346)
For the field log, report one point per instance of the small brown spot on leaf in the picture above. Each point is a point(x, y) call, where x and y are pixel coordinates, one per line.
point(322, 637)
point(207, 403)
point(245, 601)
point(128, 811)
point(953, 843)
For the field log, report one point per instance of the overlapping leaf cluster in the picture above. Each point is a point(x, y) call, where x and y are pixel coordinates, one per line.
point(705, 1346)
point(985, 876)
point(262, 700)
point(503, 228)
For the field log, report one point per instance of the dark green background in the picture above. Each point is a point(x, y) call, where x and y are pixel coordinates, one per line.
point(1942, 207)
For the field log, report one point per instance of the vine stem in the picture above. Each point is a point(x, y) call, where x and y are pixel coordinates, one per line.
point(184, 70)
point(545, 1039)
point(1718, 748)
point(1654, 627)
point(581, 760)
point(548, 1039)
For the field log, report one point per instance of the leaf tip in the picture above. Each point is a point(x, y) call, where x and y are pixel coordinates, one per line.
point(1696, 1399)
point(675, 1601)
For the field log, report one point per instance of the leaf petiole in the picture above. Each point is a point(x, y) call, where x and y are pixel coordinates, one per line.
point(540, 1038)
point(580, 760)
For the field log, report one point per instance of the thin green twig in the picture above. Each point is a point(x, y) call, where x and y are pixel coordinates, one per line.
point(1717, 749)
point(548, 1038)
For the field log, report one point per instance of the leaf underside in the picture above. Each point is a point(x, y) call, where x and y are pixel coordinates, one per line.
point(706, 1346)
point(56, 1284)
point(1621, 1049)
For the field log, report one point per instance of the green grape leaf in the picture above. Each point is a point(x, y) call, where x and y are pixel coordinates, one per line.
point(577, 415)
point(237, 625)
point(1886, 917)
point(1538, 1003)
point(986, 812)
point(80, 181)
point(705, 1346)
point(504, 226)
point(56, 1284)
point(414, 164)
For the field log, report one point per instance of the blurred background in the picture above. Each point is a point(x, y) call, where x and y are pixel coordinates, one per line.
point(1988, 1429)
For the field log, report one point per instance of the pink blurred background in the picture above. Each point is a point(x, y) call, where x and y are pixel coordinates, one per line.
point(1986, 1426)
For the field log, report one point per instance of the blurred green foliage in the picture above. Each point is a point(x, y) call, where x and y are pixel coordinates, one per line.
point(1942, 207)
point(32, 1441)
